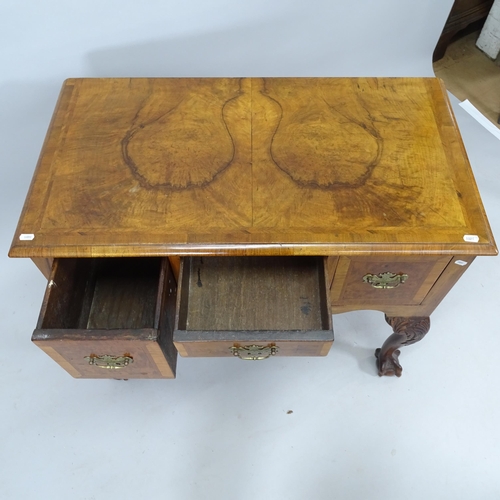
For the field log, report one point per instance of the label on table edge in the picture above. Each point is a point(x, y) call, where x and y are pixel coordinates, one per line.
point(26, 237)
point(471, 238)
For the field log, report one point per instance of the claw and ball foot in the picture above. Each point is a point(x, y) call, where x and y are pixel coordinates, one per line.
point(406, 331)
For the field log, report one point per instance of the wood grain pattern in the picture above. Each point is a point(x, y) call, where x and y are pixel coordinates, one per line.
point(252, 166)
point(463, 13)
point(175, 265)
point(60, 360)
point(454, 270)
point(469, 74)
point(407, 331)
point(443, 283)
point(44, 265)
point(221, 347)
point(254, 293)
point(115, 307)
point(330, 268)
point(233, 301)
point(73, 347)
point(349, 288)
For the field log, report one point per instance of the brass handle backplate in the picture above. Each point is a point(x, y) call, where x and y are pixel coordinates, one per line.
point(385, 280)
point(254, 352)
point(109, 362)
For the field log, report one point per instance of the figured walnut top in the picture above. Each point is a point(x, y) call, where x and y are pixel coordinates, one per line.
point(253, 165)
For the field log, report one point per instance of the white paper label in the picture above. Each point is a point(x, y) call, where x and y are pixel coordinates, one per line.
point(471, 238)
point(461, 262)
point(26, 237)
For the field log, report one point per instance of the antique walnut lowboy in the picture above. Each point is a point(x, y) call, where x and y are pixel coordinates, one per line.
point(232, 217)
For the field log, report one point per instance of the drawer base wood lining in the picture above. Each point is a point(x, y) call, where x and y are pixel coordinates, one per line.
point(110, 309)
point(236, 301)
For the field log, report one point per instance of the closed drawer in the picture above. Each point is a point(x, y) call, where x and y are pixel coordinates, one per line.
point(110, 318)
point(364, 282)
point(253, 307)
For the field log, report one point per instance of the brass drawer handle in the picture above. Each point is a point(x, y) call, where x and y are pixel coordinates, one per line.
point(385, 280)
point(109, 362)
point(254, 352)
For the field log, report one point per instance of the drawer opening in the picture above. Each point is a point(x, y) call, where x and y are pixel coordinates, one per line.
point(227, 302)
point(101, 294)
point(253, 293)
point(110, 317)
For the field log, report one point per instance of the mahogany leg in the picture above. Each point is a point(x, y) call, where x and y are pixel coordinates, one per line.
point(406, 331)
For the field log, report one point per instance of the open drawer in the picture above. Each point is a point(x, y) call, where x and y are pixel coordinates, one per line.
point(110, 318)
point(253, 307)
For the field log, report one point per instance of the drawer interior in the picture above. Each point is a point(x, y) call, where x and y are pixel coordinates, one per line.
point(110, 317)
point(253, 294)
point(100, 294)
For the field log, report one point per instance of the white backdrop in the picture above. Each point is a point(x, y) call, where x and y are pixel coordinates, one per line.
point(222, 430)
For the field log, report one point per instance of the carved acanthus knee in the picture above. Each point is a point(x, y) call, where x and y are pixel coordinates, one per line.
point(407, 331)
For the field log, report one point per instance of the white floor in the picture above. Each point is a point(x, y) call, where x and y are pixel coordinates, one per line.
point(288, 428)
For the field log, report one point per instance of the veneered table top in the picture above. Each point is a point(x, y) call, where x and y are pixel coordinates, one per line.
point(252, 166)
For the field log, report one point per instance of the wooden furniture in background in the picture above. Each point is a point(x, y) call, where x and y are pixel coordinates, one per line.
point(463, 13)
point(469, 74)
point(276, 201)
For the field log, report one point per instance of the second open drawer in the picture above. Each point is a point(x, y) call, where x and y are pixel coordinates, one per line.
point(253, 307)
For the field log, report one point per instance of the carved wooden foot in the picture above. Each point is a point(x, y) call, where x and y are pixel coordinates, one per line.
point(406, 331)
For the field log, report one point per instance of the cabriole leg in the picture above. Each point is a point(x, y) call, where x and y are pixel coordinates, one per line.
point(406, 331)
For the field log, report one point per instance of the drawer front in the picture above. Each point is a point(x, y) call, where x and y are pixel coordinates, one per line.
point(229, 305)
point(251, 345)
point(110, 318)
point(378, 281)
point(120, 356)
